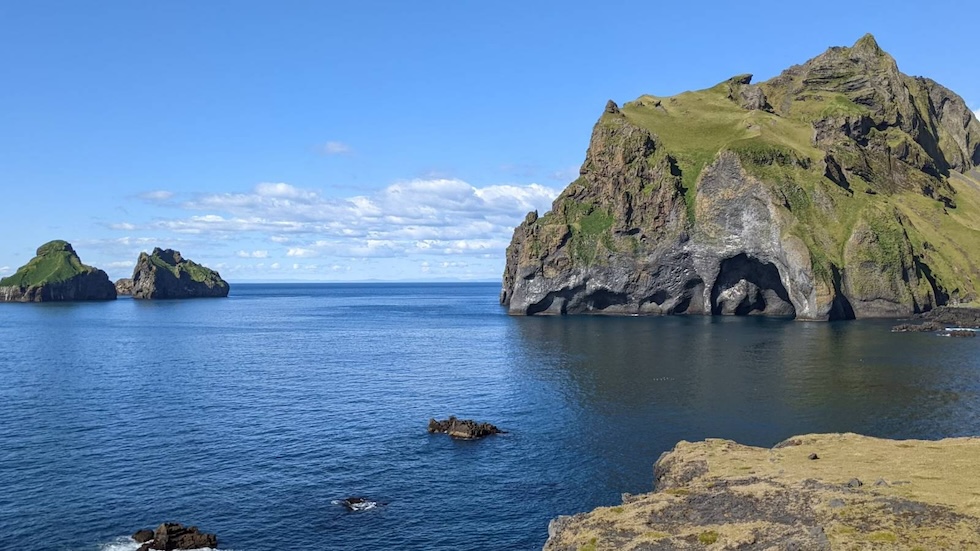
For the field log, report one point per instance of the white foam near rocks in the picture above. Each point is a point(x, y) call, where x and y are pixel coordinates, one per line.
point(127, 543)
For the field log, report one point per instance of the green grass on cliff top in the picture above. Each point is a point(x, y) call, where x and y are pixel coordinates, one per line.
point(694, 127)
point(193, 269)
point(49, 267)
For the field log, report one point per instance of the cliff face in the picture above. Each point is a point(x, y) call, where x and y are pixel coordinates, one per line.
point(165, 274)
point(56, 274)
point(841, 188)
point(814, 492)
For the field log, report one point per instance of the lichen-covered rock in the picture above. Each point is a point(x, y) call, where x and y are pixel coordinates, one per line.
point(165, 274)
point(56, 274)
point(814, 492)
point(840, 189)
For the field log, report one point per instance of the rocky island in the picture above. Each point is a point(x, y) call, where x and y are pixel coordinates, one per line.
point(165, 274)
point(840, 189)
point(814, 492)
point(56, 274)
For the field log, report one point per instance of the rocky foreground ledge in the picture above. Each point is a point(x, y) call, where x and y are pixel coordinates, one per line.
point(813, 492)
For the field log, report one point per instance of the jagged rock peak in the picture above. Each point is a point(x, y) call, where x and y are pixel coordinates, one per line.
point(611, 107)
point(165, 274)
point(867, 43)
point(741, 79)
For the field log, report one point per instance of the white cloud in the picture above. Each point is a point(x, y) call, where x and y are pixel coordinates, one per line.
point(5, 270)
point(301, 252)
point(121, 264)
point(336, 148)
point(977, 113)
point(373, 235)
point(125, 226)
point(158, 196)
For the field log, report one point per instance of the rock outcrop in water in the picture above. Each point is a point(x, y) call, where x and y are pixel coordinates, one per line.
point(165, 274)
point(841, 188)
point(942, 318)
point(815, 492)
point(465, 429)
point(56, 274)
point(170, 536)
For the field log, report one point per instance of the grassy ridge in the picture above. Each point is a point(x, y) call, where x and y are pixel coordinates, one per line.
point(194, 270)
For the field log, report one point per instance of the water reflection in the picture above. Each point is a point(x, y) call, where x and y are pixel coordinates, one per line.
point(655, 380)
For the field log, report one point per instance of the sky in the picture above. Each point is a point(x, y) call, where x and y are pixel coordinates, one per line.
point(356, 141)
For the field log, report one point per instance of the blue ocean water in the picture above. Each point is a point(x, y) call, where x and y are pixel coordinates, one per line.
point(248, 416)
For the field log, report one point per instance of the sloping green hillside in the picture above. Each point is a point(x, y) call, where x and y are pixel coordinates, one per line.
point(56, 261)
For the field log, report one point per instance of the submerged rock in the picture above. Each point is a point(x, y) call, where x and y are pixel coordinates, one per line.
point(170, 535)
point(56, 274)
point(165, 274)
point(726, 495)
point(465, 429)
point(355, 503)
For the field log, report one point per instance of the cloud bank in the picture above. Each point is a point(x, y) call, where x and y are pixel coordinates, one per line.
point(421, 219)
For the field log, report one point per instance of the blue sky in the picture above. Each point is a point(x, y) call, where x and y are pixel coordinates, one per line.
point(317, 140)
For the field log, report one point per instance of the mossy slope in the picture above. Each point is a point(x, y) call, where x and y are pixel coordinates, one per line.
point(819, 492)
point(56, 274)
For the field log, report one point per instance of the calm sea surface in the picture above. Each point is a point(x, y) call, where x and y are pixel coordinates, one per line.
point(248, 416)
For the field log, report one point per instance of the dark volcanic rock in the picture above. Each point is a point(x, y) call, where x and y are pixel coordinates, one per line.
point(940, 318)
point(171, 535)
point(954, 316)
point(143, 536)
point(165, 274)
point(462, 428)
point(56, 274)
point(926, 327)
point(124, 286)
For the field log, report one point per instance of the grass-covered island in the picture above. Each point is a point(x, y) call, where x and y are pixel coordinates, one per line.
point(810, 493)
point(840, 189)
point(56, 274)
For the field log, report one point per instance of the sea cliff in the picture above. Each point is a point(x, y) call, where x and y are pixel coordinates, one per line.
point(840, 189)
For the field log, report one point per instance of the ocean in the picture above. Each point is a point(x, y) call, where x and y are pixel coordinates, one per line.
point(250, 416)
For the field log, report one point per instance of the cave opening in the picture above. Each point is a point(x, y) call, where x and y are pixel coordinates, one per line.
point(748, 286)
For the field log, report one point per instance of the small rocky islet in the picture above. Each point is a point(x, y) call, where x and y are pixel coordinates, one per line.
point(462, 429)
point(56, 274)
point(171, 536)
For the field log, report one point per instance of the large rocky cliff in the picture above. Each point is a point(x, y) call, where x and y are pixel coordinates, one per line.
point(165, 274)
point(56, 274)
point(841, 188)
point(814, 492)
